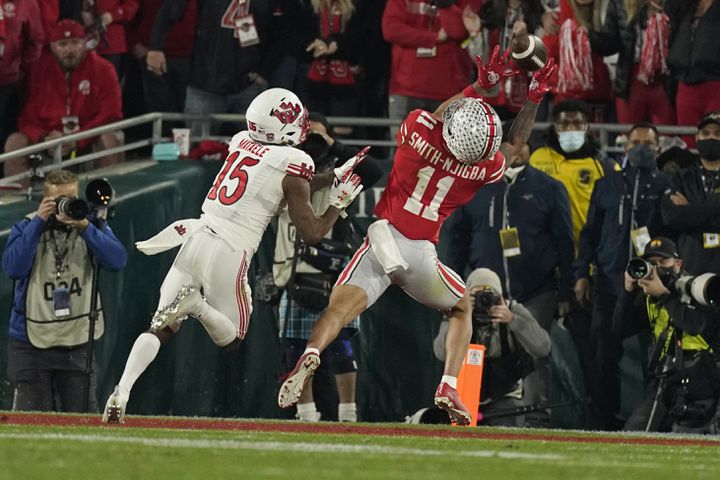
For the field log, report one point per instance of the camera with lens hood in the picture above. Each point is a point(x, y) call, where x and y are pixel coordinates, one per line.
point(483, 301)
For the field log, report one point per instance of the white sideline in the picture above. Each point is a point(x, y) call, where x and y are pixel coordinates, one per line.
point(306, 447)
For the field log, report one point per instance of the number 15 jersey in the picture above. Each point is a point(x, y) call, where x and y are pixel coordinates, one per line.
point(427, 183)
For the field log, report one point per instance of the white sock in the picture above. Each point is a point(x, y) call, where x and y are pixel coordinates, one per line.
point(452, 381)
point(347, 412)
point(307, 412)
point(312, 350)
point(143, 352)
point(221, 329)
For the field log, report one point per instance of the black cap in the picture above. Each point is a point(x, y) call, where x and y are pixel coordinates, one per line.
point(661, 247)
point(712, 117)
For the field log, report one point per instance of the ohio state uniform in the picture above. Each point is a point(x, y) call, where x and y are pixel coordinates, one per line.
point(427, 183)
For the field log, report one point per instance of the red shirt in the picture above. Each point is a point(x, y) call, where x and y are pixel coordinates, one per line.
point(427, 183)
point(91, 92)
point(23, 39)
point(179, 40)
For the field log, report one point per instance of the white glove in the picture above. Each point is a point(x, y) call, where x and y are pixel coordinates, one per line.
point(342, 193)
point(346, 169)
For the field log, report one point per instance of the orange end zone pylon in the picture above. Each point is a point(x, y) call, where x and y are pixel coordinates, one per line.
point(470, 380)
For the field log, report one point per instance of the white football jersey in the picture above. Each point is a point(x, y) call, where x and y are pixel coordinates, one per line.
point(248, 192)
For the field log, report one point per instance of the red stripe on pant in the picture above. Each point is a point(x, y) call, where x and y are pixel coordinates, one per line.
point(345, 275)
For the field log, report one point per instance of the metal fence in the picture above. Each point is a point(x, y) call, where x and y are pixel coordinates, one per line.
point(205, 123)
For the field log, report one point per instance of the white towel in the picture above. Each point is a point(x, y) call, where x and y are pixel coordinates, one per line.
point(170, 237)
point(384, 247)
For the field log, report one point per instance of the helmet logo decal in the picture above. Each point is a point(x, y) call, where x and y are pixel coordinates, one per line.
point(288, 112)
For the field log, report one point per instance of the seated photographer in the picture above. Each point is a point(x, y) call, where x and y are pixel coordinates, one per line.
point(512, 339)
point(683, 393)
point(307, 275)
point(50, 255)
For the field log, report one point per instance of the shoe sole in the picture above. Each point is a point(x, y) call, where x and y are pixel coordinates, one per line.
point(170, 313)
point(458, 417)
point(292, 387)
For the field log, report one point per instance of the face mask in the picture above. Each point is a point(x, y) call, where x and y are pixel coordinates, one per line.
point(571, 141)
point(667, 276)
point(709, 149)
point(641, 156)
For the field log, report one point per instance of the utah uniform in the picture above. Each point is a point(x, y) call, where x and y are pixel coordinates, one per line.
point(245, 195)
point(425, 186)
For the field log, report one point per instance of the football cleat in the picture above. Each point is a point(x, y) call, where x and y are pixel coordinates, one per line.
point(185, 303)
point(447, 398)
point(293, 385)
point(115, 407)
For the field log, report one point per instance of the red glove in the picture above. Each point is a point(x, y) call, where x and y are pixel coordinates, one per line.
point(540, 83)
point(496, 69)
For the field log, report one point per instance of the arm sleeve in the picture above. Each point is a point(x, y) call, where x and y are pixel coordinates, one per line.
point(170, 12)
point(395, 30)
point(589, 235)
point(562, 235)
point(122, 11)
point(105, 246)
point(451, 21)
point(34, 37)
point(534, 339)
point(688, 319)
point(607, 41)
point(21, 246)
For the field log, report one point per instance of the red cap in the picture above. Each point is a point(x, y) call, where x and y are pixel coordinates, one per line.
point(66, 29)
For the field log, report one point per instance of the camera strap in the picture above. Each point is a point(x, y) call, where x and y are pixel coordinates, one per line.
point(61, 252)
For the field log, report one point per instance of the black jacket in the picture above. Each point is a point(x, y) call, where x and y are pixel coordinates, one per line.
point(691, 222)
point(605, 238)
point(219, 65)
point(694, 55)
point(538, 206)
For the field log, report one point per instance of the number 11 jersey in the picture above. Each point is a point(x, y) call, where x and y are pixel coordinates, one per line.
point(427, 183)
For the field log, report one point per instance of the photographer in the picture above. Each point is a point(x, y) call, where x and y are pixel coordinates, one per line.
point(512, 339)
point(683, 394)
point(50, 256)
point(308, 274)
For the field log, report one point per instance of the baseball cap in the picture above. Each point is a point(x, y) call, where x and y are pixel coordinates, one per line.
point(484, 276)
point(66, 29)
point(661, 247)
point(712, 117)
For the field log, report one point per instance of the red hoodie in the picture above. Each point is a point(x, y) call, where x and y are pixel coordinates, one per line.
point(408, 25)
point(122, 11)
point(91, 92)
point(601, 78)
point(23, 39)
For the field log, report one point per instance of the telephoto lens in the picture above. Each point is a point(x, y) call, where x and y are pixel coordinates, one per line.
point(639, 268)
point(74, 208)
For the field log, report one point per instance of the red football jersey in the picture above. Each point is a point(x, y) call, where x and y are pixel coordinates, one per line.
point(427, 183)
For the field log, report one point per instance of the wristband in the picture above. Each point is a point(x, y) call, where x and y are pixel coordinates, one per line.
point(470, 92)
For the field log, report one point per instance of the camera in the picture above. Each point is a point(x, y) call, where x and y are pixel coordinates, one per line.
point(98, 192)
point(483, 301)
point(703, 289)
point(74, 208)
point(639, 269)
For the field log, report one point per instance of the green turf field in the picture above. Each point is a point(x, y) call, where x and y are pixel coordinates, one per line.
point(52, 452)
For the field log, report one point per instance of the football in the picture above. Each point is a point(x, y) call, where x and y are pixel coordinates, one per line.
point(528, 52)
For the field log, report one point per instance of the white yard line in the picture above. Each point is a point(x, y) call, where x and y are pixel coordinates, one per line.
point(306, 447)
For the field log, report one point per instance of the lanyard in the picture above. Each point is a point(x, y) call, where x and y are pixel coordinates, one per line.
point(61, 255)
point(708, 186)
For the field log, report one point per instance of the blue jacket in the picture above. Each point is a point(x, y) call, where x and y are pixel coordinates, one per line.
point(19, 257)
point(538, 206)
point(605, 238)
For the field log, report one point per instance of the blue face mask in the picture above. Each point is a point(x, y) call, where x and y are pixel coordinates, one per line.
point(571, 141)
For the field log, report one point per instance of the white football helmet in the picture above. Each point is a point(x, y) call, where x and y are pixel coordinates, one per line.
point(472, 130)
point(277, 116)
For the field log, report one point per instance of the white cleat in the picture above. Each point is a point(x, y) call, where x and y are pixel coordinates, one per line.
point(185, 303)
point(292, 387)
point(115, 407)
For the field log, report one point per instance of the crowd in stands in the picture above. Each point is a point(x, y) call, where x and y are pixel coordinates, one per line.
point(71, 65)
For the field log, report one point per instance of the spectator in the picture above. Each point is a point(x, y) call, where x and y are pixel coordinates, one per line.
point(165, 91)
point(22, 44)
point(105, 21)
point(582, 73)
point(683, 395)
point(533, 208)
point(512, 339)
point(70, 90)
point(691, 208)
point(50, 256)
point(428, 63)
point(572, 156)
point(694, 58)
point(638, 32)
point(624, 213)
point(233, 52)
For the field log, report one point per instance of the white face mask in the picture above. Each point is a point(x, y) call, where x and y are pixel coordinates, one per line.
point(571, 141)
point(512, 172)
